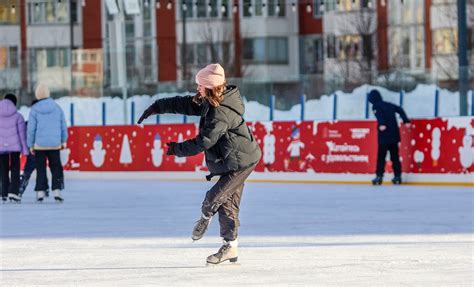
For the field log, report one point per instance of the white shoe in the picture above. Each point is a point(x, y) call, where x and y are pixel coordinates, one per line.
point(40, 196)
point(14, 198)
point(228, 251)
point(57, 195)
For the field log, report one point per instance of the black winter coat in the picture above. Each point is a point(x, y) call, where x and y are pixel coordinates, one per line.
point(385, 114)
point(223, 135)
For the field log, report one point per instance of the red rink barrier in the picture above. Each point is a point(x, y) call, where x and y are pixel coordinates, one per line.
point(429, 146)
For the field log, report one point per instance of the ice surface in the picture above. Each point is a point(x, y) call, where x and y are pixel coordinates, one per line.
point(137, 232)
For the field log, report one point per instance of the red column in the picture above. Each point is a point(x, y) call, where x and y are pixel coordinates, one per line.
point(428, 36)
point(166, 42)
point(382, 35)
point(92, 25)
point(24, 47)
point(237, 39)
point(308, 25)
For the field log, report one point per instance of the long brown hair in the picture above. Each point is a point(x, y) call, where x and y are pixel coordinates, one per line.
point(214, 96)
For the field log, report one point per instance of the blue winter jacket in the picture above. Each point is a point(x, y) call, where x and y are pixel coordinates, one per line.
point(385, 114)
point(46, 125)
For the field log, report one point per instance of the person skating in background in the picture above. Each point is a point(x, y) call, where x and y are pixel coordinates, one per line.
point(230, 149)
point(28, 169)
point(388, 136)
point(46, 136)
point(12, 143)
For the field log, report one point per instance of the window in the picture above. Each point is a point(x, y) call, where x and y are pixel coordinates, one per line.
point(349, 47)
point(50, 11)
point(201, 50)
point(201, 8)
point(258, 8)
point(226, 52)
point(317, 10)
point(225, 8)
point(129, 26)
point(147, 28)
point(445, 41)
point(9, 57)
point(247, 8)
point(7, 14)
point(313, 56)
point(330, 5)
point(349, 5)
point(331, 46)
point(213, 8)
point(276, 8)
point(188, 7)
point(266, 50)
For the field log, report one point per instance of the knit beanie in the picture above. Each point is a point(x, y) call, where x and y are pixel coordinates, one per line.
point(11, 97)
point(42, 92)
point(211, 76)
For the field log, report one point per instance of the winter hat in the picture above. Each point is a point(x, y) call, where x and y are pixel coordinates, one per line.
point(42, 92)
point(11, 97)
point(211, 76)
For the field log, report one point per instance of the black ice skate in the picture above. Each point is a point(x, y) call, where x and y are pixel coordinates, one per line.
point(228, 251)
point(57, 196)
point(4, 199)
point(397, 180)
point(23, 184)
point(200, 227)
point(377, 180)
point(14, 198)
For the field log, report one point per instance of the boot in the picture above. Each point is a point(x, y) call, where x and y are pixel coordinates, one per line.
point(57, 195)
point(228, 251)
point(201, 227)
point(377, 180)
point(397, 180)
point(14, 198)
point(39, 196)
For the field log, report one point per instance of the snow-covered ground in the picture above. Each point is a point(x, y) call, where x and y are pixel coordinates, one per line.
point(418, 103)
point(130, 232)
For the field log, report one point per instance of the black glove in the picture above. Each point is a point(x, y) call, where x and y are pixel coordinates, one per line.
point(148, 112)
point(171, 148)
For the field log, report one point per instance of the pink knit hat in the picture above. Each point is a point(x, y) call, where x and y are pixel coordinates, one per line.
point(211, 76)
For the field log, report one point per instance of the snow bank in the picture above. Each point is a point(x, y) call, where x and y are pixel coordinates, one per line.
point(418, 103)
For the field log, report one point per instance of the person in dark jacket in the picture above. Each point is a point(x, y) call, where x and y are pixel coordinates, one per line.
point(230, 149)
point(388, 135)
point(30, 166)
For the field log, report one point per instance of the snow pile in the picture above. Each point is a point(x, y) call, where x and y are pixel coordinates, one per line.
point(418, 103)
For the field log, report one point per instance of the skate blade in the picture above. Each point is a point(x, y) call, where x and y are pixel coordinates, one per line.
point(59, 200)
point(231, 261)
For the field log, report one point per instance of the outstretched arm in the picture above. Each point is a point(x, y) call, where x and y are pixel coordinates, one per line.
point(174, 105)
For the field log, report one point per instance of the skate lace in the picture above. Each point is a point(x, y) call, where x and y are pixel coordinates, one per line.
point(223, 250)
point(201, 224)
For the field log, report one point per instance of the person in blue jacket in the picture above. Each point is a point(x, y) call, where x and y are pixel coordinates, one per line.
point(388, 135)
point(46, 136)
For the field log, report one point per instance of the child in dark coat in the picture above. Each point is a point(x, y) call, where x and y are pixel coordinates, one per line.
point(230, 149)
point(388, 135)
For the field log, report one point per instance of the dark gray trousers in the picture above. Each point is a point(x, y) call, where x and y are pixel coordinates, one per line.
point(224, 198)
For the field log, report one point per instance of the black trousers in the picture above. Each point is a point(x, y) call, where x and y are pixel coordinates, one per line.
point(394, 157)
point(10, 173)
point(55, 166)
point(224, 198)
